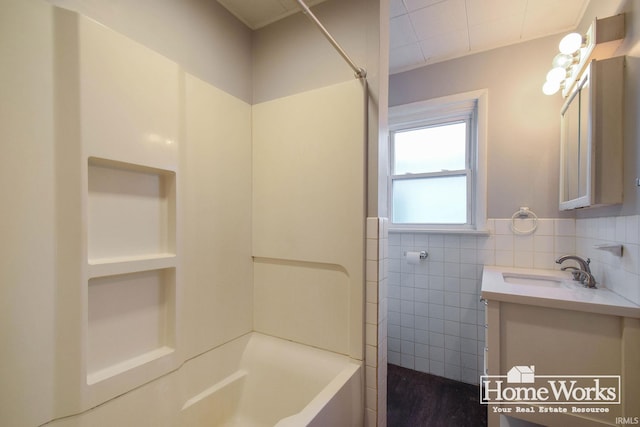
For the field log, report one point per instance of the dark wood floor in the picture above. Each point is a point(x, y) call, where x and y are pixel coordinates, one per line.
point(416, 399)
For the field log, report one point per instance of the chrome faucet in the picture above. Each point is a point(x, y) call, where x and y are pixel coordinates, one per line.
point(587, 279)
point(581, 273)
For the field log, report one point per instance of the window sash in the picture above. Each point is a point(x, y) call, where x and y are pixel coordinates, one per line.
point(469, 172)
point(435, 124)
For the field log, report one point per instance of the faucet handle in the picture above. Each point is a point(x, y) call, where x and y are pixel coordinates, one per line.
point(575, 272)
point(587, 279)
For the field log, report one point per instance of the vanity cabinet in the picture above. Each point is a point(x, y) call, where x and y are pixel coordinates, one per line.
point(561, 342)
point(591, 143)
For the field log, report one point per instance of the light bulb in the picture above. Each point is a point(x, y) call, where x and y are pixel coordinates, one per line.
point(556, 75)
point(570, 43)
point(549, 88)
point(562, 60)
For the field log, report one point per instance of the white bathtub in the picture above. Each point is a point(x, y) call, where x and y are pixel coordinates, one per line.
point(261, 381)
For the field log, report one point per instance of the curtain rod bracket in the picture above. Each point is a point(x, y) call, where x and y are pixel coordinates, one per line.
point(361, 73)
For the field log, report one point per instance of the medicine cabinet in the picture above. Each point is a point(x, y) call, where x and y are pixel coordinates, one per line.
point(591, 143)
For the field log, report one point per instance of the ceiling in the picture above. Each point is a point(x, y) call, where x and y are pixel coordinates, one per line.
point(259, 13)
point(427, 31)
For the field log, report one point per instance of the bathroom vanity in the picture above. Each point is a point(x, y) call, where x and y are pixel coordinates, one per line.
point(544, 324)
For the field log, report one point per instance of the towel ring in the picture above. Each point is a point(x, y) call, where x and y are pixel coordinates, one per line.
point(523, 213)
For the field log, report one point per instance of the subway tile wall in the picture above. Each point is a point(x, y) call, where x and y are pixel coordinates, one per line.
point(435, 318)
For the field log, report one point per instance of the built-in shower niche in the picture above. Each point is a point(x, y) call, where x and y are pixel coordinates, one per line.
point(131, 321)
point(131, 268)
point(131, 212)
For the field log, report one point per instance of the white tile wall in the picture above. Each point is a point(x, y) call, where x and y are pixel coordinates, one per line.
point(435, 321)
point(434, 308)
point(376, 323)
point(435, 317)
point(620, 274)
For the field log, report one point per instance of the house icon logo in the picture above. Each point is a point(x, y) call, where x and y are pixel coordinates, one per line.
point(521, 374)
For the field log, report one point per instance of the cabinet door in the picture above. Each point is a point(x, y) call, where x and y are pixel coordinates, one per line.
point(575, 163)
point(591, 141)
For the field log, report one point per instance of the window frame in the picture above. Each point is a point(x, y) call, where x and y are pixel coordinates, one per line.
point(470, 106)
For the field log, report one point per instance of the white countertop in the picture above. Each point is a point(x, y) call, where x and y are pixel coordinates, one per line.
point(568, 294)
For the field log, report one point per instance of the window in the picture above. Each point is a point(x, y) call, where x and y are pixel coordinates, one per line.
point(437, 179)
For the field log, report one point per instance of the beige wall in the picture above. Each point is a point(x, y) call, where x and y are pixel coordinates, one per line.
point(524, 129)
point(200, 35)
point(292, 56)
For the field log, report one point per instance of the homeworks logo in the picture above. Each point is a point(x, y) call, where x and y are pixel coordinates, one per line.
point(521, 385)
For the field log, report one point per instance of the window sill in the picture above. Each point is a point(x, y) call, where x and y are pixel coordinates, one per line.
point(480, 232)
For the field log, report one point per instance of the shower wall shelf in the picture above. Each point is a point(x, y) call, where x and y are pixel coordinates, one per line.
point(131, 267)
point(128, 365)
point(123, 265)
point(613, 248)
point(120, 123)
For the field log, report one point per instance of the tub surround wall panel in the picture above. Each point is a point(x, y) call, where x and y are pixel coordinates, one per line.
point(216, 161)
point(28, 227)
point(130, 137)
point(303, 301)
point(71, 243)
point(130, 99)
point(175, 121)
point(134, 132)
point(308, 215)
point(153, 403)
point(111, 309)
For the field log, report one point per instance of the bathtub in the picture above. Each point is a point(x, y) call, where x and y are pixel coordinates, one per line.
point(259, 381)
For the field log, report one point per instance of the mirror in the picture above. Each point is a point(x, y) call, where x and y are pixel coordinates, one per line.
point(591, 139)
point(575, 158)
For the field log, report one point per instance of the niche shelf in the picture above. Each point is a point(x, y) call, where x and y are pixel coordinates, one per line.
point(131, 267)
point(131, 212)
point(131, 321)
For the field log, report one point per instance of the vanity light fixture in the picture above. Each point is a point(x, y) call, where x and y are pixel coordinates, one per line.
point(576, 50)
point(572, 47)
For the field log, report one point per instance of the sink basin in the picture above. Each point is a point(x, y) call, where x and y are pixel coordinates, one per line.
point(531, 280)
point(551, 289)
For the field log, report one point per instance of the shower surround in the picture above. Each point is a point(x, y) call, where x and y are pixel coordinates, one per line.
point(175, 219)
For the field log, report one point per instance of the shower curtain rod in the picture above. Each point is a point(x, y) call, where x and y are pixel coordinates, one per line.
point(360, 72)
